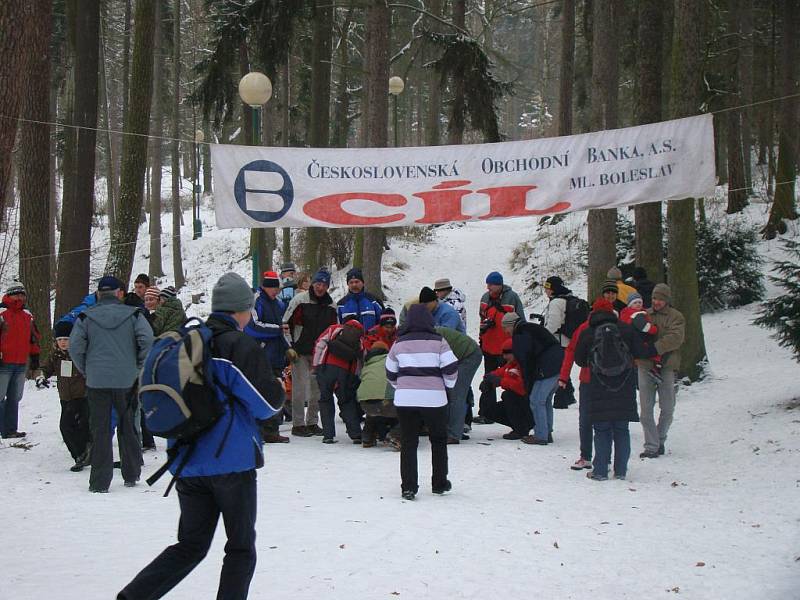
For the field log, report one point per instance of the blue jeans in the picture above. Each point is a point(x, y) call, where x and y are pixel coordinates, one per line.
point(604, 433)
point(12, 384)
point(541, 399)
point(584, 423)
point(457, 396)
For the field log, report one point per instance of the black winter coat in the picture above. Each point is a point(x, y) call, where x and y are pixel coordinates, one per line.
point(605, 404)
point(537, 351)
point(645, 288)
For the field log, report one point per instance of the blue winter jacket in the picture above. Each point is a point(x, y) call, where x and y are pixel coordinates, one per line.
point(265, 327)
point(243, 370)
point(444, 315)
point(362, 306)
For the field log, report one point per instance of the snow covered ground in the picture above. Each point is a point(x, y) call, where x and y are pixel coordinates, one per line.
point(716, 518)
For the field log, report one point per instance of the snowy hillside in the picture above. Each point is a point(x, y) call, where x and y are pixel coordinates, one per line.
point(717, 518)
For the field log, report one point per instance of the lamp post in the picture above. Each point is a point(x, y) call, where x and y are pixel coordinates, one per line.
point(255, 89)
point(197, 224)
point(396, 86)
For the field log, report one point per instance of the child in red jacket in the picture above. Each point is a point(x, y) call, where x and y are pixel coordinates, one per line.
point(635, 314)
point(513, 409)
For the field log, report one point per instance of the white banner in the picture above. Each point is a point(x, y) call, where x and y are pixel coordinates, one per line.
point(257, 186)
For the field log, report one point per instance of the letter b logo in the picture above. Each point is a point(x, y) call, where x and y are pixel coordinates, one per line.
point(263, 190)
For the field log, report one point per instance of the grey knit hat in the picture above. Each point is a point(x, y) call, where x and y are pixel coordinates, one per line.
point(231, 294)
point(614, 273)
point(510, 319)
point(16, 287)
point(662, 292)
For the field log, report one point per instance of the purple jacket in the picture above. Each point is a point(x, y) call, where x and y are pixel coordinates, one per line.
point(420, 365)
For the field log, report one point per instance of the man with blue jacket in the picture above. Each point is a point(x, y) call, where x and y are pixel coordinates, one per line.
point(444, 315)
point(358, 304)
point(108, 345)
point(266, 328)
point(220, 478)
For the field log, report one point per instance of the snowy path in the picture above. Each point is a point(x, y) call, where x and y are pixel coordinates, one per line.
point(717, 518)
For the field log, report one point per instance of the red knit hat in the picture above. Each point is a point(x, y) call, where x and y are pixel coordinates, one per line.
point(354, 323)
point(271, 280)
point(602, 305)
point(507, 346)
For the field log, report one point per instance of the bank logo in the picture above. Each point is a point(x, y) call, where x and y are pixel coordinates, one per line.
point(263, 191)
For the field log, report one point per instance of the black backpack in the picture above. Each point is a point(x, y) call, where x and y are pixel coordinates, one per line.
point(346, 344)
point(609, 356)
point(577, 312)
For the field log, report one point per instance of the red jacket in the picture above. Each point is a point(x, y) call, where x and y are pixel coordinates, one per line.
point(323, 357)
point(379, 334)
point(511, 377)
point(627, 314)
point(569, 356)
point(19, 337)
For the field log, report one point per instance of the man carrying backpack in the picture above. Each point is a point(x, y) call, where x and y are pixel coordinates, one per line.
point(607, 347)
point(220, 474)
point(108, 344)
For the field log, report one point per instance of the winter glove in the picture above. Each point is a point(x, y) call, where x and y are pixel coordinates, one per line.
point(42, 383)
point(640, 322)
point(492, 379)
point(291, 355)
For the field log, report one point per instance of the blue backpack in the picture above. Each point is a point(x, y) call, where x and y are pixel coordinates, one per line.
point(176, 388)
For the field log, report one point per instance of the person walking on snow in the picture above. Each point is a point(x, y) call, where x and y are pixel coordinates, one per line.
point(19, 350)
point(498, 300)
point(220, 478)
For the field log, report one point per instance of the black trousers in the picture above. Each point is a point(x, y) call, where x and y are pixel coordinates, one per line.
point(410, 420)
point(488, 394)
point(130, 451)
point(331, 378)
point(74, 425)
point(272, 424)
point(513, 411)
point(202, 500)
point(148, 441)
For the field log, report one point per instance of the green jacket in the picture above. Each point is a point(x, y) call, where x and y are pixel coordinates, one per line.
point(374, 385)
point(168, 317)
point(671, 328)
point(460, 343)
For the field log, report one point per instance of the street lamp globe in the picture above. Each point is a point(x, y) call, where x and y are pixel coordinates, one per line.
point(396, 85)
point(255, 89)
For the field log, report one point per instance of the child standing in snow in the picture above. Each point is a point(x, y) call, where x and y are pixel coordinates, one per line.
point(71, 385)
point(635, 314)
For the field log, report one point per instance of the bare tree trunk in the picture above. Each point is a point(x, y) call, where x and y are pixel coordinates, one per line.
point(567, 67)
point(687, 71)
point(111, 186)
point(784, 205)
point(455, 129)
point(13, 22)
point(319, 133)
point(737, 183)
point(745, 68)
point(134, 147)
point(649, 231)
point(602, 222)
point(433, 116)
point(34, 185)
point(177, 258)
point(72, 282)
point(156, 268)
point(377, 117)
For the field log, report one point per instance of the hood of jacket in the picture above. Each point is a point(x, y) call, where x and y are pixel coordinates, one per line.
point(14, 303)
point(599, 317)
point(109, 313)
point(419, 319)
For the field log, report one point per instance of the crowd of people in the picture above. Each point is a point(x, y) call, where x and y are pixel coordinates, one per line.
point(293, 354)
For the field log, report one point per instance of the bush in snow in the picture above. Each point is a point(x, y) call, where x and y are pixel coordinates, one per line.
point(783, 313)
point(728, 265)
point(626, 245)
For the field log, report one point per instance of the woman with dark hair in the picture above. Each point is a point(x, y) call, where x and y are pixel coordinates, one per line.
point(421, 367)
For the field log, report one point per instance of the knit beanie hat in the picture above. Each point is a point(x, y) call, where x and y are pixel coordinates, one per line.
point(62, 329)
point(614, 273)
point(609, 285)
point(494, 278)
point(426, 295)
point(553, 282)
point(602, 305)
point(355, 273)
point(388, 317)
point(168, 292)
point(509, 319)
point(634, 297)
point(231, 294)
point(662, 292)
point(322, 276)
point(16, 287)
point(270, 280)
point(288, 266)
point(152, 292)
